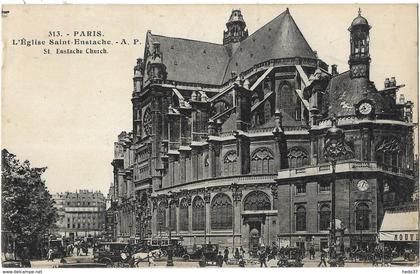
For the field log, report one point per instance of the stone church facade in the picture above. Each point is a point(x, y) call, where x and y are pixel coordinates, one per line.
point(228, 140)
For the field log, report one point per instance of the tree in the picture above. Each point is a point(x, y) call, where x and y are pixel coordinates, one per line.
point(28, 210)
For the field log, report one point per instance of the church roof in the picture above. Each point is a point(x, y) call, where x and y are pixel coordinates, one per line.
point(192, 61)
point(208, 63)
point(343, 93)
point(280, 38)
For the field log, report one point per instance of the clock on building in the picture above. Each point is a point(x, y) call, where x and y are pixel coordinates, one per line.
point(147, 122)
point(363, 185)
point(365, 108)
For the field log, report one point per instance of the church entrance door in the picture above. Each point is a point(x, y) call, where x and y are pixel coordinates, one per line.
point(254, 237)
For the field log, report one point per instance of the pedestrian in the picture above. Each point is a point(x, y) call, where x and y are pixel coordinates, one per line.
point(262, 256)
point(226, 255)
point(242, 251)
point(78, 248)
point(237, 253)
point(50, 255)
point(68, 250)
point(312, 253)
point(25, 257)
point(241, 261)
point(323, 256)
point(219, 259)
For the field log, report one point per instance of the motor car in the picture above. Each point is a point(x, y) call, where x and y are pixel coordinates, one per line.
point(110, 252)
point(209, 257)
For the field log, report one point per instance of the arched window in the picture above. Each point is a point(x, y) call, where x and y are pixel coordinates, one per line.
point(362, 217)
point(262, 161)
point(161, 217)
point(257, 200)
point(172, 208)
point(229, 162)
point(324, 217)
point(198, 214)
point(300, 218)
point(297, 157)
point(183, 215)
point(221, 212)
point(267, 111)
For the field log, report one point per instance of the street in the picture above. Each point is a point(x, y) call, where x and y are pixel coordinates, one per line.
point(161, 263)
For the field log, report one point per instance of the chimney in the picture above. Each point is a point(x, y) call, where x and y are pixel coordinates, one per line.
point(392, 82)
point(386, 83)
point(402, 99)
point(156, 47)
point(334, 70)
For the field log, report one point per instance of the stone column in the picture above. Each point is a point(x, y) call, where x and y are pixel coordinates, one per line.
point(207, 199)
point(280, 148)
point(214, 152)
point(182, 169)
point(243, 107)
point(366, 137)
point(242, 152)
point(237, 205)
point(274, 193)
point(194, 164)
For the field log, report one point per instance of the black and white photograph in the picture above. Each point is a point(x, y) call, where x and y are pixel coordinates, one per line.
point(209, 136)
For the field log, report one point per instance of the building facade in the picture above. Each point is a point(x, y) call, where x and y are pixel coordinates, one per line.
point(229, 141)
point(81, 213)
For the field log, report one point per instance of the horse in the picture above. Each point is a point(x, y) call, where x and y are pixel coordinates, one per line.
point(138, 257)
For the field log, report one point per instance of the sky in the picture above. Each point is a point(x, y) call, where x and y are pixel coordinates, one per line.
point(65, 111)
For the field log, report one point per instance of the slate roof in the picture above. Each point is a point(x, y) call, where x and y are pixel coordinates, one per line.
point(280, 38)
point(192, 61)
point(208, 63)
point(343, 93)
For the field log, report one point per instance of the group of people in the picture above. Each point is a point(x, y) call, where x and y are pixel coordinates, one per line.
point(81, 247)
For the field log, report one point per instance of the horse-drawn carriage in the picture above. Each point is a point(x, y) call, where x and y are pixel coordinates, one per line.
point(290, 257)
point(109, 253)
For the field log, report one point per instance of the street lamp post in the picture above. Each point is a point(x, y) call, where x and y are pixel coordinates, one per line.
point(333, 149)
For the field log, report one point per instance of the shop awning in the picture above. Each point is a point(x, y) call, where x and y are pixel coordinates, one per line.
point(400, 227)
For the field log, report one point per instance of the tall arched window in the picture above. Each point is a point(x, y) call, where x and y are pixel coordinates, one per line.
point(229, 162)
point(183, 215)
point(161, 217)
point(172, 208)
point(297, 157)
point(324, 217)
point(362, 216)
point(257, 200)
point(221, 212)
point(300, 218)
point(198, 214)
point(262, 161)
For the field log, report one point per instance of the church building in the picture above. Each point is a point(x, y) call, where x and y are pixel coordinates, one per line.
point(230, 141)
